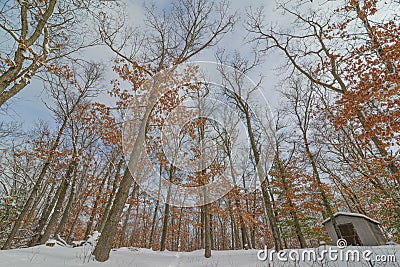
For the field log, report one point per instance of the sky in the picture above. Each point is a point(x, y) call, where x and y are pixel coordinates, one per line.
point(28, 107)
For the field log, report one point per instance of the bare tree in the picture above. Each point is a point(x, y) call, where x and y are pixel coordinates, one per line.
point(191, 28)
point(67, 102)
point(244, 97)
point(301, 103)
point(316, 54)
point(38, 32)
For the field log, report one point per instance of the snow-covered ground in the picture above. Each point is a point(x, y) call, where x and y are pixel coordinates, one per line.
point(43, 256)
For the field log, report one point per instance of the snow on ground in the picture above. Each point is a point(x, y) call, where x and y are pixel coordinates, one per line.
point(44, 256)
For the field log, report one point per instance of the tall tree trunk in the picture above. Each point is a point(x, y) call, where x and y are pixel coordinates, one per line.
point(96, 202)
point(35, 188)
point(325, 200)
point(165, 227)
point(103, 219)
point(233, 232)
point(253, 228)
point(293, 208)
point(212, 240)
point(58, 208)
point(299, 232)
point(125, 226)
point(271, 217)
point(44, 218)
point(261, 173)
point(207, 231)
point(71, 200)
point(178, 243)
point(106, 240)
point(202, 245)
point(245, 238)
point(40, 198)
point(153, 224)
point(234, 228)
point(204, 181)
point(104, 245)
point(164, 232)
point(243, 106)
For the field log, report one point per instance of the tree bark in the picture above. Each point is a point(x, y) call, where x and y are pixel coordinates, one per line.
point(104, 245)
point(125, 225)
point(207, 231)
point(166, 211)
point(35, 189)
point(58, 208)
point(103, 219)
point(96, 202)
point(25, 42)
point(293, 208)
point(43, 219)
point(261, 173)
point(106, 240)
point(71, 199)
point(153, 224)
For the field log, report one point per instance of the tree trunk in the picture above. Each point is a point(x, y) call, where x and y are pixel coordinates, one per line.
point(103, 248)
point(261, 173)
point(212, 240)
point(35, 189)
point(58, 208)
point(106, 240)
point(202, 227)
point(166, 212)
point(103, 219)
point(245, 238)
point(125, 225)
point(207, 231)
point(96, 202)
point(293, 208)
point(325, 200)
point(43, 219)
point(253, 229)
point(178, 245)
point(233, 232)
point(71, 199)
point(153, 224)
point(165, 227)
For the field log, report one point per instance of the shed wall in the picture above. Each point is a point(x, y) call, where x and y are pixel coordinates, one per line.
point(368, 232)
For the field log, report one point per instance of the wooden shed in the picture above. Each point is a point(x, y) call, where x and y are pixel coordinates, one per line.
point(357, 229)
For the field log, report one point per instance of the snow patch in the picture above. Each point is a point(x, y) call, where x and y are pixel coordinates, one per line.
point(57, 256)
point(350, 214)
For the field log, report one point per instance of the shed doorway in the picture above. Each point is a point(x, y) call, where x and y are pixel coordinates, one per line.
point(349, 234)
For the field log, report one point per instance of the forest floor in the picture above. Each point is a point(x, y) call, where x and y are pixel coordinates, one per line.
point(45, 256)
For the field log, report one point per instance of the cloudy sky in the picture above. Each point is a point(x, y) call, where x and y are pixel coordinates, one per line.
point(28, 106)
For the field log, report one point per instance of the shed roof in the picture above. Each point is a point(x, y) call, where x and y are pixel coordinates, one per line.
point(351, 215)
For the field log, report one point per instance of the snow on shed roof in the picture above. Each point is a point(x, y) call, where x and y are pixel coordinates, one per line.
point(351, 215)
